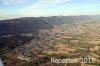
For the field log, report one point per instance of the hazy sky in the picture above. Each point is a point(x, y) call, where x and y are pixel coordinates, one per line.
point(35, 8)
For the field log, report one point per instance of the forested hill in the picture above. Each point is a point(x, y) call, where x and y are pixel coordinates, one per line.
point(23, 25)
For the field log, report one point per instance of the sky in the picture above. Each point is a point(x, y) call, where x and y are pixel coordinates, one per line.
point(36, 8)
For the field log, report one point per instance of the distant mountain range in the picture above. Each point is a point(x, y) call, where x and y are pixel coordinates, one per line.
point(32, 24)
point(69, 19)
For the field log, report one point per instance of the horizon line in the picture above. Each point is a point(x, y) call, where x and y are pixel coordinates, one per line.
point(45, 16)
